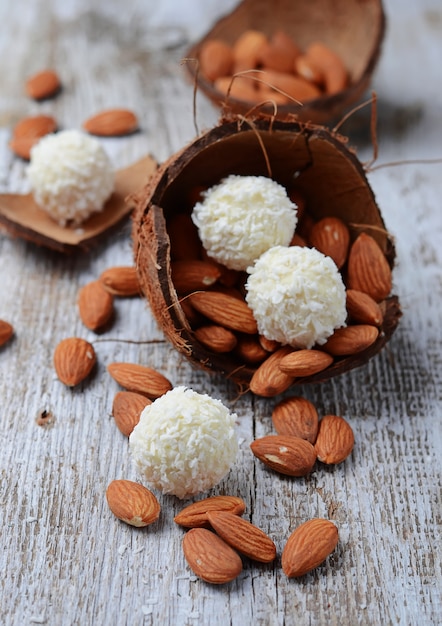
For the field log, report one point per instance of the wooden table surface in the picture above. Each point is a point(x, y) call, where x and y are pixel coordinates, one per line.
point(64, 558)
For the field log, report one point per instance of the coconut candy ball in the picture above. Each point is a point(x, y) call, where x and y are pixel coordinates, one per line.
point(71, 176)
point(184, 443)
point(241, 217)
point(297, 296)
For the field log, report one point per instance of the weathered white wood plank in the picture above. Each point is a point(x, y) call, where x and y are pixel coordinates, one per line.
point(64, 559)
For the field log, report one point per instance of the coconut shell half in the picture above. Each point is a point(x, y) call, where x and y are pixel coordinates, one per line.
point(325, 172)
point(353, 29)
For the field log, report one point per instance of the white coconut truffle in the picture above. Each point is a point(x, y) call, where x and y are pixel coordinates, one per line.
point(184, 443)
point(297, 296)
point(71, 176)
point(243, 216)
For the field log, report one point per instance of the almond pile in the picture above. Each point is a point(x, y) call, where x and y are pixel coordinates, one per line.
point(47, 84)
point(284, 72)
point(218, 539)
point(212, 298)
point(302, 438)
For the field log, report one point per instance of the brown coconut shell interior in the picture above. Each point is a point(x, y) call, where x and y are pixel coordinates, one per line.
point(328, 175)
point(353, 29)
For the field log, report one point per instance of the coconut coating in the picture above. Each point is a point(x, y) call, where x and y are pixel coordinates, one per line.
point(71, 176)
point(297, 296)
point(184, 443)
point(243, 216)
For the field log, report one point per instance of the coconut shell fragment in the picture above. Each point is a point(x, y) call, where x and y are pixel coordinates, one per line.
point(308, 159)
point(339, 40)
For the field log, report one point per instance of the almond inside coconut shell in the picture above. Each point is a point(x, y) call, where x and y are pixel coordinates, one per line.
point(329, 177)
point(354, 30)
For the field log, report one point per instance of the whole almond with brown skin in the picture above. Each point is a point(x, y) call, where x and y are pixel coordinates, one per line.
point(132, 503)
point(6, 332)
point(211, 558)
point(216, 338)
point(195, 515)
point(121, 281)
point(249, 349)
point(335, 439)
point(368, 269)
point(285, 454)
point(308, 546)
point(95, 305)
point(331, 237)
point(28, 132)
point(74, 359)
point(225, 310)
point(126, 410)
point(193, 274)
point(42, 85)
point(140, 379)
point(216, 59)
point(362, 309)
point(269, 380)
point(243, 536)
point(112, 123)
point(351, 339)
point(296, 416)
point(305, 362)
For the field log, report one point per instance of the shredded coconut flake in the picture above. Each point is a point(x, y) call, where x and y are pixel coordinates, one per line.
point(71, 176)
point(243, 216)
point(297, 296)
point(184, 443)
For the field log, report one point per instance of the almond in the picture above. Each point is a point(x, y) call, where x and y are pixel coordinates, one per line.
point(297, 417)
point(362, 308)
point(274, 57)
point(195, 515)
point(243, 536)
point(132, 503)
point(211, 558)
point(112, 123)
point(192, 275)
point(331, 237)
point(121, 281)
point(44, 84)
point(330, 65)
point(269, 345)
point(293, 86)
point(126, 410)
point(140, 379)
point(305, 362)
point(238, 87)
point(283, 41)
point(247, 49)
point(368, 269)
point(216, 338)
point(28, 132)
point(308, 546)
point(95, 305)
point(250, 350)
point(216, 59)
point(351, 339)
point(285, 454)
point(269, 380)
point(6, 332)
point(74, 359)
point(335, 439)
point(225, 310)
point(308, 70)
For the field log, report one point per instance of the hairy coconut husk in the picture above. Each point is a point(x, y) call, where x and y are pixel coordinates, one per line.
point(353, 29)
point(328, 175)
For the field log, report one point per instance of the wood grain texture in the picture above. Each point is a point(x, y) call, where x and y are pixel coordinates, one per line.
point(64, 558)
